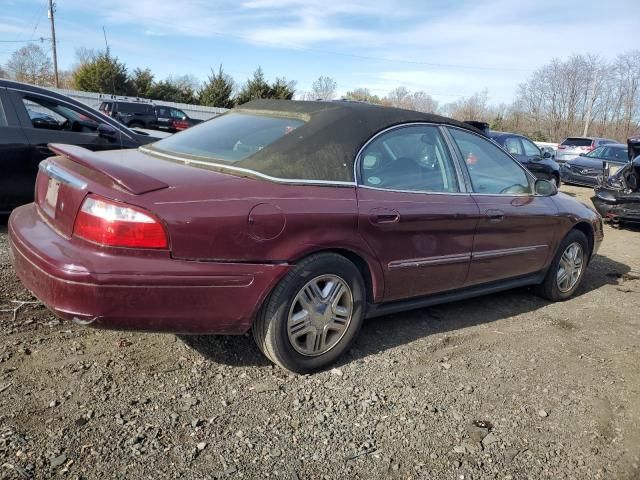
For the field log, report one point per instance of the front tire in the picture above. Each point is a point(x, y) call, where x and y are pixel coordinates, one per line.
point(313, 315)
point(567, 268)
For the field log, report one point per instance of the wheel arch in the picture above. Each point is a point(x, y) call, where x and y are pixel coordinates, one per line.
point(369, 269)
point(587, 229)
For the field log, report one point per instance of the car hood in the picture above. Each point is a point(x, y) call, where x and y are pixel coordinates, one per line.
point(587, 162)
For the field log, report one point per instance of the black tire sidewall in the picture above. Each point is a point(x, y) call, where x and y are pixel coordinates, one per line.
point(280, 305)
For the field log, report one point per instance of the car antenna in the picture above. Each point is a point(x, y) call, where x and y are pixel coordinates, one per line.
point(113, 80)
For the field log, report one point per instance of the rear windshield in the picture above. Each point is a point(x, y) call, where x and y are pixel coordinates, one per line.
point(229, 138)
point(577, 142)
point(133, 108)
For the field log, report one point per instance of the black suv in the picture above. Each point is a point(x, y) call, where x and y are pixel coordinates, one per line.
point(142, 114)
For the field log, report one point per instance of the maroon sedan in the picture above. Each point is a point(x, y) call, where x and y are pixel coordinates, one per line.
point(296, 220)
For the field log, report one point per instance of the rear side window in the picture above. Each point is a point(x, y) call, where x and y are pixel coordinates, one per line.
point(3, 117)
point(512, 145)
point(230, 138)
point(133, 108)
point(577, 142)
point(410, 159)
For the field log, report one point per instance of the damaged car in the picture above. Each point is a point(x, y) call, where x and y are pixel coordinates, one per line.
point(617, 196)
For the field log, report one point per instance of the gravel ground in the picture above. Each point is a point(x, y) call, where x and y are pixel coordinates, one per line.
point(502, 387)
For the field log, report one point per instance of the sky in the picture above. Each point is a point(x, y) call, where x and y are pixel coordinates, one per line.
point(448, 49)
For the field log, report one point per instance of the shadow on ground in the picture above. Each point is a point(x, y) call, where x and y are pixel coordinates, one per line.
point(387, 332)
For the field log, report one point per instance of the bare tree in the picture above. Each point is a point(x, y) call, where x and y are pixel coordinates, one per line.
point(397, 97)
point(30, 64)
point(324, 88)
point(362, 95)
point(3, 73)
point(85, 55)
point(474, 107)
point(421, 102)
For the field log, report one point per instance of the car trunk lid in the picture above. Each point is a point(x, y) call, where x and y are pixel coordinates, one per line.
point(64, 181)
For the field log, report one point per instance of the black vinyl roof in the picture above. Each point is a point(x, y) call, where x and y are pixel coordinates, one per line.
point(325, 146)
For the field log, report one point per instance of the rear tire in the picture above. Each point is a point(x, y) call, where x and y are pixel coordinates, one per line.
point(567, 268)
point(313, 315)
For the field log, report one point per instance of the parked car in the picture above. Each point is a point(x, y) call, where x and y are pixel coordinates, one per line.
point(31, 118)
point(572, 147)
point(528, 154)
point(617, 196)
point(585, 169)
point(145, 114)
point(295, 220)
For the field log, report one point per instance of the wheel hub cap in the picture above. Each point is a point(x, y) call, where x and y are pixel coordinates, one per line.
point(320, 315)
point(570, 267)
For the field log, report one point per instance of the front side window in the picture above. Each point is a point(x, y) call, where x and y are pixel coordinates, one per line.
point(412, 158)
point(530, 148)
point(491, 170)
point(177, 114)
point(51, 115)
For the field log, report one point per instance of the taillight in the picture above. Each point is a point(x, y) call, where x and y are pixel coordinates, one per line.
point(561, 147)
point(118, 225)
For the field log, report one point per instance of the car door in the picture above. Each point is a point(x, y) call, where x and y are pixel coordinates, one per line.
point(532, 159)
point(164, 117)
point(516, 232)
point(16, 170)
point(413, 211)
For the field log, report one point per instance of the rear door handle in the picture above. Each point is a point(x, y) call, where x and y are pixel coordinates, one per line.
point(384, 215)
point(494, 215)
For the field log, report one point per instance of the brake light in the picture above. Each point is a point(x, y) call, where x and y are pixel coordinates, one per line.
point(118, 225)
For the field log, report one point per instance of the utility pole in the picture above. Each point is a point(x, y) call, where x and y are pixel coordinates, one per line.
point(52, 8)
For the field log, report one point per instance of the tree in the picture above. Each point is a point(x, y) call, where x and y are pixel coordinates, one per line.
point(397, 97)
point(324, 88)
point(474, 107)
point(103, 74)
point(3, 73)
point(85, 55)
point(217, 90)
point(256, 87)
point(362, 95)
point(30, 64)
point(170, 91)
point(142, 82)
point(282, 89)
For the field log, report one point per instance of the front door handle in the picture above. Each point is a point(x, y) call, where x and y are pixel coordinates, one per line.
point(494, 215)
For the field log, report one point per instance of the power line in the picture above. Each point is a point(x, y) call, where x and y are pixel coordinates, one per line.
point(31, 40)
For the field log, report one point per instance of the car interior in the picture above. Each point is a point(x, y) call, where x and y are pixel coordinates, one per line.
point(55, 116)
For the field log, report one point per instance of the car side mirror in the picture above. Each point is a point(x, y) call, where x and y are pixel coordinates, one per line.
point(107, 131)
point(545, 188)
point(546, 155)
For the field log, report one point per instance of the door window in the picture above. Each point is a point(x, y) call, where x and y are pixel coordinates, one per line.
point(530, 148)
point(512, 145)
point(412, 158)
point(177, 114)
point(51, 115)
point(3, 117)
point(491, 170)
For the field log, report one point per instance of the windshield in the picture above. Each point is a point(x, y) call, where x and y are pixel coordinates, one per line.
point(610, 153)
point(598, 153)
point(229, 138)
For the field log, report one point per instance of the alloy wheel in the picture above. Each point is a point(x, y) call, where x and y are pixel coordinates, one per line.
point(570, 267)
point(320, 315)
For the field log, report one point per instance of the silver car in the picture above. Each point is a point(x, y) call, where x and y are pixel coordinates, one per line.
point(572, 147)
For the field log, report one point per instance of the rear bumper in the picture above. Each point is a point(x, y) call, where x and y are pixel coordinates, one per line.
point(120, 289)
point(617, 212)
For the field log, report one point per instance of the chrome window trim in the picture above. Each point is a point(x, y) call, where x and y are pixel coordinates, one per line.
point(90, 112)
point(462, 187)
point(527, 173)
point(60, 175)
point(189, 161)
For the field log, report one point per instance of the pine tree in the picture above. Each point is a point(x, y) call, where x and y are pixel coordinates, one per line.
point(218, 90)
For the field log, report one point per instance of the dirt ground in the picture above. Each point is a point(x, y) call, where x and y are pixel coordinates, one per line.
point(501, 387)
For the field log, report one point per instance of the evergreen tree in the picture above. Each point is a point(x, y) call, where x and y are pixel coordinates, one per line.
point(256, 87)
point(103, 74)
point(142, 82)
point(282, 89)
point(218, 90)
